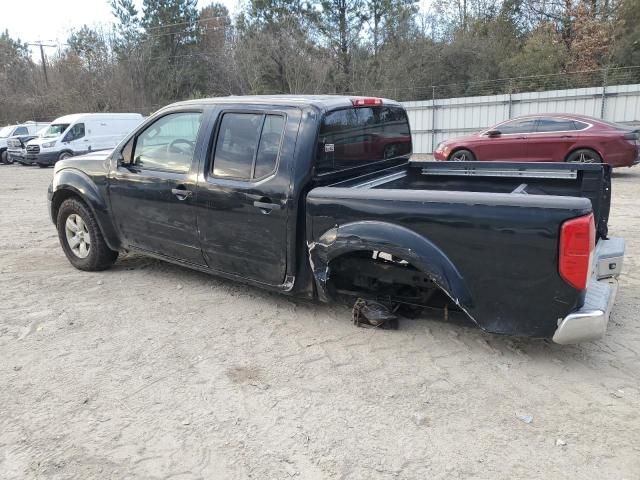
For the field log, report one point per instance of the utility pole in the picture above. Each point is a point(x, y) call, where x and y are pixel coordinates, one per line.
point(42, 58)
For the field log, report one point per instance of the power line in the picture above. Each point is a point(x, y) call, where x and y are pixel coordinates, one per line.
point(189, 22)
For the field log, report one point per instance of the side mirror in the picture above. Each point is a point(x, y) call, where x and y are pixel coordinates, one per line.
point(494, 133)
point(120, 159)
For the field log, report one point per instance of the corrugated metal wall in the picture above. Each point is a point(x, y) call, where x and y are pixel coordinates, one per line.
point(453, 117)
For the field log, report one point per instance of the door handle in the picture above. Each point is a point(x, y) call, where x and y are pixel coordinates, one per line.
point(181, 193)
point(265, 205)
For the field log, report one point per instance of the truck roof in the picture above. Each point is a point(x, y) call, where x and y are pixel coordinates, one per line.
point(322, 102)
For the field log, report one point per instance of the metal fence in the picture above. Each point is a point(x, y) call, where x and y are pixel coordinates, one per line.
point(433, 121)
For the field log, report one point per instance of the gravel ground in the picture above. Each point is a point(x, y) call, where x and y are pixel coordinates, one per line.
point(150, 371)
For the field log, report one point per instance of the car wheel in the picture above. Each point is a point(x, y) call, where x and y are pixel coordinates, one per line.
point(64, 156)
point(4, 157)
point(43, 165)
point(462, 156)
point(584, 155)
point(81, 238)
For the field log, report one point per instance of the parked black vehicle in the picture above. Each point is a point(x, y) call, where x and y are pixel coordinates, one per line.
point(316, 196)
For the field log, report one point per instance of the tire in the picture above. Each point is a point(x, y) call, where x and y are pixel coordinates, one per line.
point(4, 157)
point(462, 156)
point(64, 156)
point(43, 165)
point(76, 223)
point(584, 155)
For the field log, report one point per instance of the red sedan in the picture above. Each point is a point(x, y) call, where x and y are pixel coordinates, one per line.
point(548, 138)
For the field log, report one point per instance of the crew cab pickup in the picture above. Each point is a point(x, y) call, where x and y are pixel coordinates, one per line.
point(317, 196)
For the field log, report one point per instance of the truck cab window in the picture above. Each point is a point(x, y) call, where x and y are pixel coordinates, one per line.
point(168, 143)
point(21, 131)
point(353, 137)
point(248, 145)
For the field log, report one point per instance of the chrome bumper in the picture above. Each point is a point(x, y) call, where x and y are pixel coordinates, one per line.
point(590, 321)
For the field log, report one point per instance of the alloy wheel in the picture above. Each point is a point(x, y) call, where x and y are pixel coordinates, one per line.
point(78, 236)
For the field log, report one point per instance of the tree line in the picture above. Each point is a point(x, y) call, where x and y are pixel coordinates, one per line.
point(172, 50)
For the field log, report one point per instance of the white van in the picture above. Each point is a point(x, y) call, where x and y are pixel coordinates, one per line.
point(79, 134)
point(23, 129)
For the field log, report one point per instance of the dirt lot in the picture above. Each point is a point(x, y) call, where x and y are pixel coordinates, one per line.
point(153, 371)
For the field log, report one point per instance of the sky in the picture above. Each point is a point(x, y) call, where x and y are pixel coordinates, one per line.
point(51, 20)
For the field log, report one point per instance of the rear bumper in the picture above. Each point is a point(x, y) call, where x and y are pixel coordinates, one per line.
point(590, 321)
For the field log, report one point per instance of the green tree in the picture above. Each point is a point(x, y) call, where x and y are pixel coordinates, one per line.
point(626, 45)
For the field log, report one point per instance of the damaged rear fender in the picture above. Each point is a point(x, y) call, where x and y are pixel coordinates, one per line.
point(395, 240)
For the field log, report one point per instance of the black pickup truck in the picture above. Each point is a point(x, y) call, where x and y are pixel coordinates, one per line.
point(316, 196)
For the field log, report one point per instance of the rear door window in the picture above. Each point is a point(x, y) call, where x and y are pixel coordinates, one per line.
point(269, 148)
point(357, 136)
point(248, 145)
point(548, 124)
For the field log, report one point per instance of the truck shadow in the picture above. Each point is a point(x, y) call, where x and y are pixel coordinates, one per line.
point(456, 333)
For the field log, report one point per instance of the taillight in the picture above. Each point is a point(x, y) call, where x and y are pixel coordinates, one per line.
point(363, 102)
point(577, 242)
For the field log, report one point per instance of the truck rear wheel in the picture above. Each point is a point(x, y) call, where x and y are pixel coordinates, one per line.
point(81, 238)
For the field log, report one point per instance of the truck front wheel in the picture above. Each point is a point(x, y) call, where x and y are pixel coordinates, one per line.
point(81, 238)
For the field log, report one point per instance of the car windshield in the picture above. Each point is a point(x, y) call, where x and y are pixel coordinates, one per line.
point(55, 130)
point(4, 132)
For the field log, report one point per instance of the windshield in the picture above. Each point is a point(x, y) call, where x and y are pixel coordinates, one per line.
point(353, 137)
point(55, 130)
point(6, 131)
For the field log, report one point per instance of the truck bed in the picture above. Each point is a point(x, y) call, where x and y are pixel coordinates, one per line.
point(487, 234)
point(555, 179)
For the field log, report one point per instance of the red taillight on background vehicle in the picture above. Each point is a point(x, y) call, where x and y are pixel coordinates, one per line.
point(577, 242)
point(365, 102)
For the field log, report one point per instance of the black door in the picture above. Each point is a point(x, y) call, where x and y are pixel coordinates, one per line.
point(242, 197)
point(152, 188)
